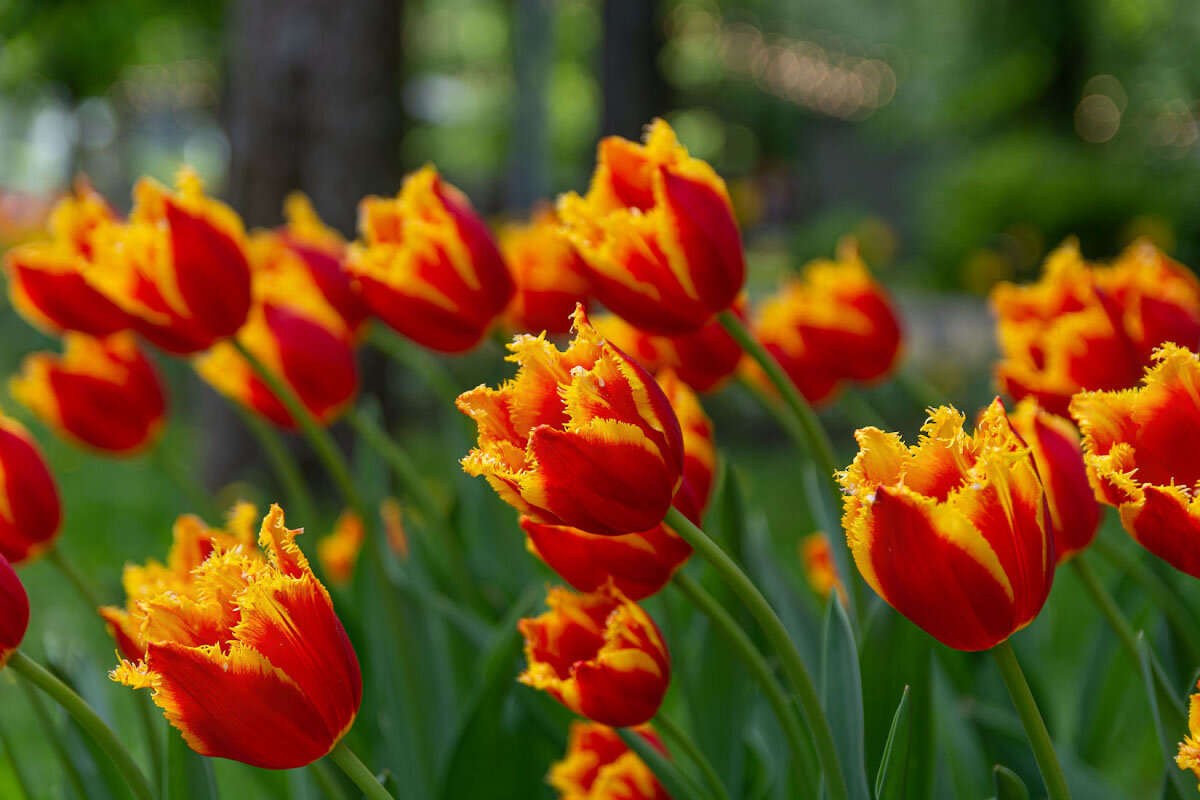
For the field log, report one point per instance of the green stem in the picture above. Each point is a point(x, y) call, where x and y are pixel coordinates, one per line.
point(356, 771)
point(76, 577)
point(1107, 605)
point(151, 728)
point(682, 742)
point(18, 774)
point(202, 503)
point(404, 468)
point(418, 360)
point(65, 761)
point(282, 464)
point(724, 623)
point(798, 675)
point(323, 776)
point(858, 411)
point(1031, 720)
point(676, 782)
point(87, 719)
point(920, 390)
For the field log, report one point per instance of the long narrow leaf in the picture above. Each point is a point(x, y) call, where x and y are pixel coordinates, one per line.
point(891, 780)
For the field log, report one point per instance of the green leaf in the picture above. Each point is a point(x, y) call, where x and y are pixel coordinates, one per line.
point(186, 774)
point(893, 767)
point(673, 779)
point(843, 696)
point(1170, 722)
point(1008, 785)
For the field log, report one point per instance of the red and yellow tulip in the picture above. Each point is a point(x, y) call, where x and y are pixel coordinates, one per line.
point(428, 266)
point(253, 663)
point(583, 438)
point(952, 532)
point(1189, 748)
point(657, 232)
point(548, 274)
point(704, 360)
point(30, 511)
point(599, 766)
point(103, 393)
point(338, 551)
point(1140, 445)
point(14, 611)
point(816, 555)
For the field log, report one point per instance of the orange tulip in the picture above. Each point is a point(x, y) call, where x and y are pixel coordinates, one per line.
point(14, 611)
point(1091, 328)
point(428, 266)
point(657, 233)
point(599, 655)
point(103, 393)
point(30, 512)
point(833, 323)
point(583, 438)
point(599, 766)
point(338, 552)
point(639, 564)
point(1139, 447)
point(547, 272)
point(704, 360)
point(1189, 748)
point(253, 664)
point(953, 532)
point(819, 567)
point(178, 268)
point(49, 281)
point(1054, 442)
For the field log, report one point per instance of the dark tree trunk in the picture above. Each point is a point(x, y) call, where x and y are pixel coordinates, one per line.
point(634, 90)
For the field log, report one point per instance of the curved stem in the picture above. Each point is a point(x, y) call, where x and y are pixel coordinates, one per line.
point(356, 771)
point(65, 761)
point(1031, 720)
point(76, 577)
point(684, 743)
point(402, 465)
point(675, 781)
point(724, 623)
point(282, 464)
point(88, 719)
point(323, 776)
point(1107, 605)
point(167, 461)
point(798, 675)
point(416, 359)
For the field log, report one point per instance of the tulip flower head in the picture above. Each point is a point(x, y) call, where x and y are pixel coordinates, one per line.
point(583, 438)
point(819, 567)
point(1189, 748)
point(1138, 447)
point(548, 273)
point(1091, 328)
point(598, 654)
point(103, 393)
point(657, 232)
point(338, 551)
point(14, 611)
point(704, 360)
point(251, 664)
point(599, 766)
point(428, 266)
point(30, 510)
point(952, 532)
point(1058, 454)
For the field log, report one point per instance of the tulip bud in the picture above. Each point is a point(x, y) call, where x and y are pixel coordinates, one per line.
point(599, 766)
point(548, 274)
point(250, 661)
point(583, 438)
point(953, 531)
point(103, 393)
point(14, 611)
point(599, 655)
point(427, 265)
point(657, 233)
point(1138, 447)
point(30, 512)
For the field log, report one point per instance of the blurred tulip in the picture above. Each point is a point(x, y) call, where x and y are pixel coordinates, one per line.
point(1054, 442)
point(820, 569)
point(255, 665)
point(179, 267)
point(584, 438)
point(14, 611)
point(1091, 328)
point(428, 266)
point(392, 516)
point(103, 393)
point(547, 272)
point(833, 323)
point(338, 552)
point(657, 233)
point(704, 360)
point(599, 766)
point(30, 511)
point(1140, 449)
point(1189, 748)
point(49, 281)
point(598, 654)
point(952, 532)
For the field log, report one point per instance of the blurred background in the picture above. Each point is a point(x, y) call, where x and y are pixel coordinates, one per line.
point(958, 141)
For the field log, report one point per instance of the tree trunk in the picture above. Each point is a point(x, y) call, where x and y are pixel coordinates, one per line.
point(634, 90)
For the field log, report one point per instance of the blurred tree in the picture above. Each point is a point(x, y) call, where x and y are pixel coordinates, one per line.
point(633, 86)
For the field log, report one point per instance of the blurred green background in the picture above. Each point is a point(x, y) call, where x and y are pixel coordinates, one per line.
point(958, 141)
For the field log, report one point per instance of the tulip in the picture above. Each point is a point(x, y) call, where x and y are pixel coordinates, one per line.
point(30, 512)
point(49, 281)
point(820, 569)
point(14, 611)
point(952, 532)
point(253, 665)
point(548, 274)
point(599, 655)
point(1058, 454)
point(599, 766)
point(427, 265)
point(1091, 328)
point(1189, 748)
point(103, 393)
point(1138, 447)
point(583, 438)
point(657, 233)
point(338, 552)
point(704, 360)
point(833, 323)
